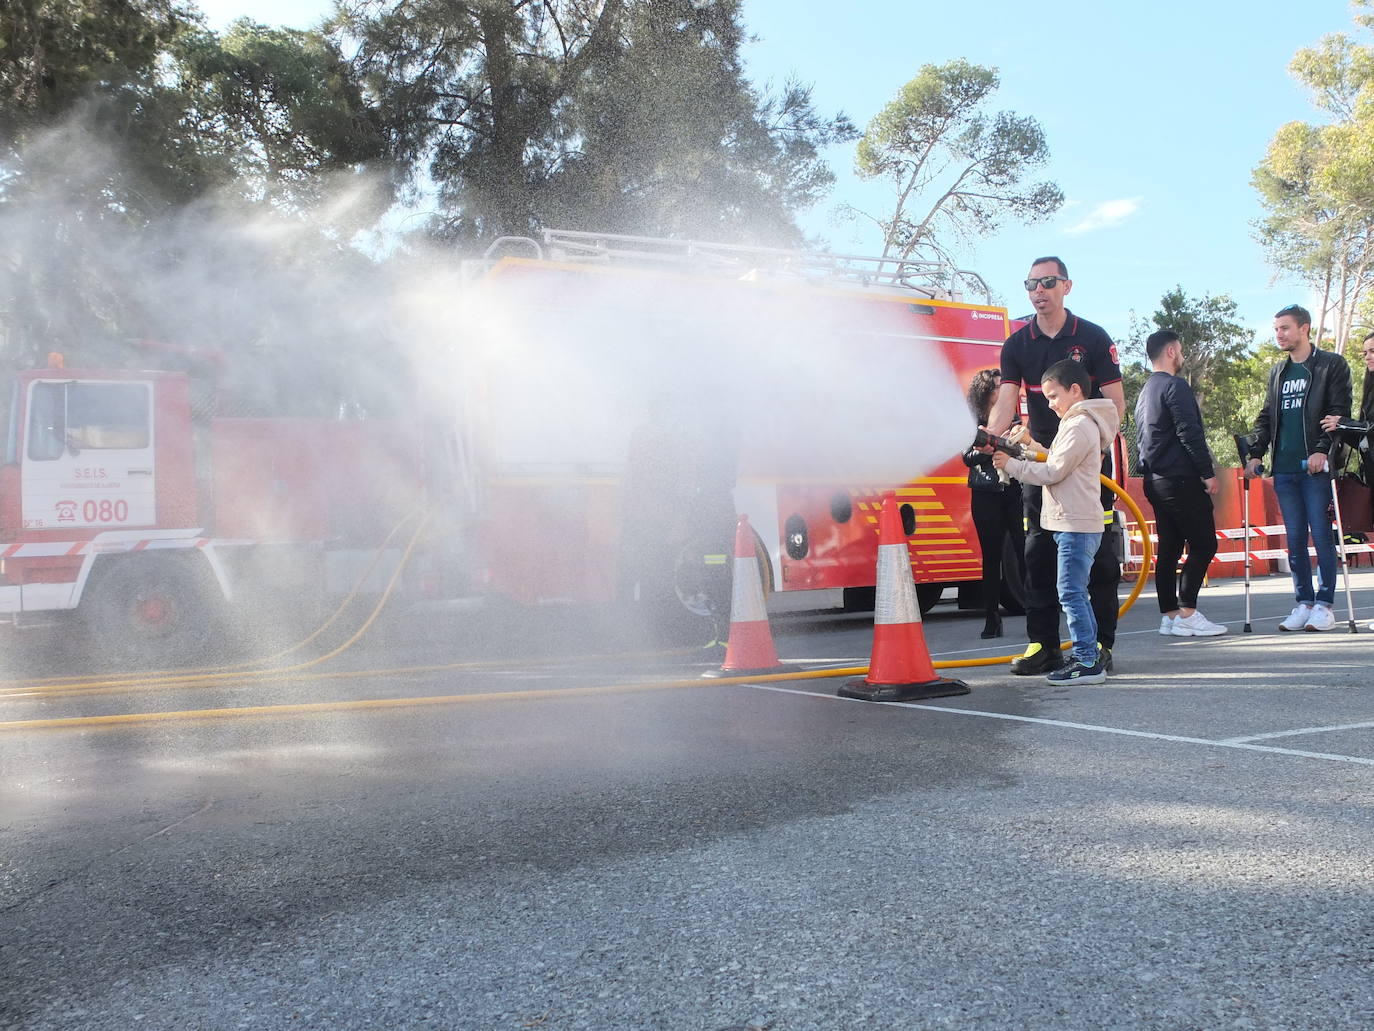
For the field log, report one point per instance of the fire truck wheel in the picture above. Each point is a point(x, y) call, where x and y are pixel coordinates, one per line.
point(927, 595)
point(699, 599)
point(859, 599)
point(148, 612)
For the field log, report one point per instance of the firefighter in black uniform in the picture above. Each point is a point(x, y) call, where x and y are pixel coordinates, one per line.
point(1055, 333)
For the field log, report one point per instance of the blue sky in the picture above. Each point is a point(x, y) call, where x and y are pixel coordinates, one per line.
point(1155, 113)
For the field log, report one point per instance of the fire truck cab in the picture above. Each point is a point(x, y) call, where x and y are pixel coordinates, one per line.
point(121, 505)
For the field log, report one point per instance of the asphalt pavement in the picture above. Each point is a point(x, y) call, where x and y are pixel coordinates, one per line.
point(431, 832)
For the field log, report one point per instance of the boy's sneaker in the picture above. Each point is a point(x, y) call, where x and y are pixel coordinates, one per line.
point(1035, 660)
point(1166, 626)
point(1077, 673)
point(1104, 656)
point(1321, 618)
point(1197, 625)
point(1297, 619)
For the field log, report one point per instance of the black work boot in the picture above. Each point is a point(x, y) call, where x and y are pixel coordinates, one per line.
point(1036, 660)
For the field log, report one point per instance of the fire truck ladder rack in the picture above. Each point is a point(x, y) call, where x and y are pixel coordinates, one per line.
point(932, 279)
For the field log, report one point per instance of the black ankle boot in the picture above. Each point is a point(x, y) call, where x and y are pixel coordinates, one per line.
point(992, 627)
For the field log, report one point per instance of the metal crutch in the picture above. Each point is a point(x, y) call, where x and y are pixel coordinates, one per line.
point(1243, 447)
point(1340, 537)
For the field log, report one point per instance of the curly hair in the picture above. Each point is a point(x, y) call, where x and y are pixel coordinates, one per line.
point(980, 390)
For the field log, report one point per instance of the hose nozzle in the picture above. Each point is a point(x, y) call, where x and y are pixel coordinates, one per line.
point(982, 438)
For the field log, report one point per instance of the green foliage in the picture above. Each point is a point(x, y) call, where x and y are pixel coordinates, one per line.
point(1316, 183)
point(957, 170)
point(140, 146)
point(93, 71)
point(615, 115)
point(55, 53)
point(279, 105)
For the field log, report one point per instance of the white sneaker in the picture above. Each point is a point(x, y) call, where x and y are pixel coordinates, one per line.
point(1297, 619)
point(1166, 626)
point(1197, 625)
point(1322, 618)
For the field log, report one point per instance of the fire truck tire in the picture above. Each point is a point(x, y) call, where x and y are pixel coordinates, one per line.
point(149, 612)
point(859, 599)
point(927, 595)
point(697, 601)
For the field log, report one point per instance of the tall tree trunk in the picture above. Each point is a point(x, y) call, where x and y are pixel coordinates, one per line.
point(504, 177)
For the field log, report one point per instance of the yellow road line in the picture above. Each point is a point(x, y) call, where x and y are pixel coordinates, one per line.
point(301, 708)
point(52, 686)
point(262, 678)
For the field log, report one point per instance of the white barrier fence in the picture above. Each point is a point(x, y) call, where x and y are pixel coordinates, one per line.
point(1134, 558)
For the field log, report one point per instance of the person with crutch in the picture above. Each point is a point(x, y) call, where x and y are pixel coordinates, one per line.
point(1179, 481)
point(1308, 385)
point(1358, 432)
point(1243, 446)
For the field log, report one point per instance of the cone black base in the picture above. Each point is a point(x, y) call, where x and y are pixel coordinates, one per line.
point(751, 672)
point(940, 687)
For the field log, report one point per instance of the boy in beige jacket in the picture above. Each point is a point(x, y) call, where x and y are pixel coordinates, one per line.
point(1073, 507)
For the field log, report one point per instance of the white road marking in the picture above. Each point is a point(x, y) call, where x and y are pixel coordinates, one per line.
point(1241, 744)
point(1297, 733)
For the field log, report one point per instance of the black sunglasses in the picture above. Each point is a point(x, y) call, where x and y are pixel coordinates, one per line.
point(1048, 282)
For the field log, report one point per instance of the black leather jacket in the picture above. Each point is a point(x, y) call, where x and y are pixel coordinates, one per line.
point(1328, 394)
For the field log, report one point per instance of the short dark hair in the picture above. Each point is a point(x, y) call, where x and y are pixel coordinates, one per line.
point(1297, 312)
point(1158, 342)
point(1059, 264)
point(1067, 372)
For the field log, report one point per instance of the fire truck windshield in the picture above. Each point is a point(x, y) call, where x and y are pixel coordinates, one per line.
point(80, 416)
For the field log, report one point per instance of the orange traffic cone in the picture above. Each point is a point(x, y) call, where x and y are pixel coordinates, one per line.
point(750, 649)
point(900, 670)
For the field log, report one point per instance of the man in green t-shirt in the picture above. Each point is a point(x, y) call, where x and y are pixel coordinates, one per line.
point(1306, 386)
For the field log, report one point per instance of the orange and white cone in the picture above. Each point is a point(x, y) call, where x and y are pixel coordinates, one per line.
point(750, 649)
point(900, 669)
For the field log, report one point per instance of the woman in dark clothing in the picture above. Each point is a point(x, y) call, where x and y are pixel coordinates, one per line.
point(1358, 432)
point(996, 511)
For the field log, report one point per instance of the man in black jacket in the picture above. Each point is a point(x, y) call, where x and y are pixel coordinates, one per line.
point(1308, 385)
point(1179, 480)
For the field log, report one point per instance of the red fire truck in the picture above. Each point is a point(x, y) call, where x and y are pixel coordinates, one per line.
point(585, 429)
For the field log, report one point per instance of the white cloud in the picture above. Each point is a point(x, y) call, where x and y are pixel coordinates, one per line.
point(1108, 213)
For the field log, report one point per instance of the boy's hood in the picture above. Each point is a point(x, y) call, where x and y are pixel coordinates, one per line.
point(1103, 413)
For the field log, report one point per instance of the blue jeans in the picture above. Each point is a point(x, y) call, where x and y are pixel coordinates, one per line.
point(1303, 500)
point(1076, 551)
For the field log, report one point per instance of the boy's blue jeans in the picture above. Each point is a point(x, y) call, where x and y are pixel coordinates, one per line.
point(1303, 500)
point(1076, 551)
